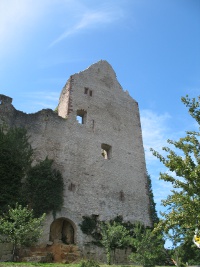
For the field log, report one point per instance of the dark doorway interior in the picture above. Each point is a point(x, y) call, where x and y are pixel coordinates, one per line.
point(62, 230)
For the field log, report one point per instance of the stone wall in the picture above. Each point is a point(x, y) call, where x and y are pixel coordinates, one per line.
point(101, 159)
point(5, 252)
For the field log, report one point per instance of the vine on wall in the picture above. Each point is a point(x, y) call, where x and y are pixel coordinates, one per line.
point(40, 187)
point(44, 188)
point(91, 226)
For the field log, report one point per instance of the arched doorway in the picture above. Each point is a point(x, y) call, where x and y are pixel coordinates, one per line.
point(62, 229)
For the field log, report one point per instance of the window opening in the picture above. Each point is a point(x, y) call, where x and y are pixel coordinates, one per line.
point(106, 151)
point(79, 119)
point(81, 116)
point(86, 90)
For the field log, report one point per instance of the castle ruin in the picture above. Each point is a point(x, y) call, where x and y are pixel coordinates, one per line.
point(96, 142)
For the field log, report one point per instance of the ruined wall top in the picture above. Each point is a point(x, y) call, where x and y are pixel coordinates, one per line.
point(5, 99)
point(98, 80)
point(103, 73)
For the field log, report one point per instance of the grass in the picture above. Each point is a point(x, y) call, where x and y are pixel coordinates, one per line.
point(28, 264)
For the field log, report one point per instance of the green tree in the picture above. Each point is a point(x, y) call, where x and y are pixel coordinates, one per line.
point(183, 164)
point(148, 247)
point(44, 188)
point(188, 251)
point(19, 227)
point(183, 250)
point(40, 186)
point(176, 237)
point(153, 212)
point(114, 236)
point(15, 160)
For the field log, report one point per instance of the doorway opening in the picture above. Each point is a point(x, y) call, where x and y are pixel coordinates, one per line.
point(62, 229)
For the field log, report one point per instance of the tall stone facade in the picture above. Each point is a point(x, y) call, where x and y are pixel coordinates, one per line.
point(95, 141)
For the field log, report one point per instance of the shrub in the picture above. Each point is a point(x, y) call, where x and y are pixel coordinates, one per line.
point(89, 263)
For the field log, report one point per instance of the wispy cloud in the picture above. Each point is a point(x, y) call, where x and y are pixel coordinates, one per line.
point(155, 132)
point(41, 100)
point(91, 19)
point(21, 20)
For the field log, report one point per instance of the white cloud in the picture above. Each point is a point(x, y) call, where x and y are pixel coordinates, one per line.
point(90, 19)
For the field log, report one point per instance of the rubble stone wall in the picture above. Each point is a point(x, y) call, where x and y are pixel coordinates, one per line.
point(111, 125)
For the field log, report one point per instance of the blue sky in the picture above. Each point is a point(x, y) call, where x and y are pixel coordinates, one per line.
point(153, 46)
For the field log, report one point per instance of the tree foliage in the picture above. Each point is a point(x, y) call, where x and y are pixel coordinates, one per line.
point(153, 212)
point(188, 251)
point(90, 226)
point(183, 164)
point(114, 236)
point(44, 188)
point(149, 248)
point(41, 186)
point(15, 160)
point(19, 227)
point(118, 234)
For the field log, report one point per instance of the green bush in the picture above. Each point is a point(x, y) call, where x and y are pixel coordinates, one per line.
point(20, 228)
point(89, 263)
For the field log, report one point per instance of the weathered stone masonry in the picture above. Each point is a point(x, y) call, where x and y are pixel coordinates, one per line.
point(101, 157)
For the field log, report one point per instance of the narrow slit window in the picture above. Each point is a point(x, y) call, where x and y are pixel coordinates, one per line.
point(72, 187)
point(106, 151)
point(90, 92)
point(121, 196)
point(81, 116)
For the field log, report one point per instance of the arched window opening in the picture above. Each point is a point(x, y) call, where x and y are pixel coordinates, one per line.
point(106, 151)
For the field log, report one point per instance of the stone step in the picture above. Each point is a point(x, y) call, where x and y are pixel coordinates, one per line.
point(39, 257)
point(60, 252)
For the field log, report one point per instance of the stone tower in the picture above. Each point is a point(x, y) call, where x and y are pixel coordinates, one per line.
point(95, 141)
